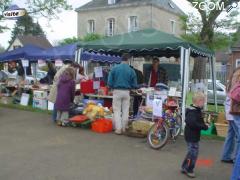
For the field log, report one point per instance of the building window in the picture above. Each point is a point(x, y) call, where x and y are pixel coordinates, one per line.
point(132, 23)
point(111, 2)
point(173, 26)
point(237, 63)
point(91, 26)
point(110, 27)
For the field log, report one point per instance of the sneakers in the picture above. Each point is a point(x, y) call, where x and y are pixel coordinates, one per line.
point(188, 174)
point(118, 132)
point(59, 123)
point(228, 161)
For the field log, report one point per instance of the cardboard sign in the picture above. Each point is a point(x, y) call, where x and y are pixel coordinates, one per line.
point(157, 107)
point(58, 63)
point(25, 63)
point(24, 99)
point(96, 84)
point(98, 71)
point(172, 91)
point(41, 63)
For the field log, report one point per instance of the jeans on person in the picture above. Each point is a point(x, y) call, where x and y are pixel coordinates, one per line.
point(191, 157)
point(54, 114)
point(121, 103)
point(232, 143)
point(63, 116)
point(236, 169)
point(237, 123)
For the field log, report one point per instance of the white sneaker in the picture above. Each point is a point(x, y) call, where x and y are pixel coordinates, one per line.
point(118, 132)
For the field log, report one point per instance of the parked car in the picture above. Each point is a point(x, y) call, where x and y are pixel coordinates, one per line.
point(221, 92)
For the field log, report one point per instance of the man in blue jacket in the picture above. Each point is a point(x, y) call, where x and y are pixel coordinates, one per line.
point(122, 79)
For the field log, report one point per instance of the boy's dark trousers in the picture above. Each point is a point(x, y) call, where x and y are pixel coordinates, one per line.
point(191, 157)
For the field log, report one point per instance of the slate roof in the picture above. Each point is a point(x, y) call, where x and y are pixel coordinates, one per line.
point(40, 41)
point(98, 4)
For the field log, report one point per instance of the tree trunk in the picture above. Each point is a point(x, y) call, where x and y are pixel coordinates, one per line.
point(199, 69)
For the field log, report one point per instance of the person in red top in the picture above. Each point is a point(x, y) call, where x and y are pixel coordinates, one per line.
point(155, 74)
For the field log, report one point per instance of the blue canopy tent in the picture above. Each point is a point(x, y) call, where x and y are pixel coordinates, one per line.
point(68, 52)
point(20, 53)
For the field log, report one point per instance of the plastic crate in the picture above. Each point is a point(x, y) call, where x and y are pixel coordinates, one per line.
point(102, 126)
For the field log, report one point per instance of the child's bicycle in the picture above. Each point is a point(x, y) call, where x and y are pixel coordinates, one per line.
point(167, 126)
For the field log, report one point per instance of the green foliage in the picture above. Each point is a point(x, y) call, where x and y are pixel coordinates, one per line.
point(92, 37)
point(210, 28)
point(88, 37)
point(69, 41)
point(26, 26)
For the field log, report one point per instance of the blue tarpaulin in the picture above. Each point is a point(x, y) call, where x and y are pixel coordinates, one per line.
point(20, 53)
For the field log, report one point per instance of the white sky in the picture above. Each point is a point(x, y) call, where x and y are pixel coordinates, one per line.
point(66, 25)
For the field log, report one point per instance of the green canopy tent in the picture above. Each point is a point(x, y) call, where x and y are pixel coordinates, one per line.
point(155, 43)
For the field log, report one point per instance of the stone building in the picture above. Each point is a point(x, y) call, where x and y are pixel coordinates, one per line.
point(111, 17)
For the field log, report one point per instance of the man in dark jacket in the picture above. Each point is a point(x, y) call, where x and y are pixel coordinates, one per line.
point(194, 125)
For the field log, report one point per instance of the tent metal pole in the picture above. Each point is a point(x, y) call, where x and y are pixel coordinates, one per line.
point(213, 73)
point(79, 55)
point(182, 54)
point(76, 56)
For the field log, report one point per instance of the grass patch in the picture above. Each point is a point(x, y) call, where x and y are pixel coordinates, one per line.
point(24, 108)
point(210, 107)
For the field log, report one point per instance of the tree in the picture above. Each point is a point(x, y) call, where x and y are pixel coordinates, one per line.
point(44, 8)
point(69, 41)
point(88, 37)
point(26, 26)
point(2, 49)
point(92, 37)
point(210, 30)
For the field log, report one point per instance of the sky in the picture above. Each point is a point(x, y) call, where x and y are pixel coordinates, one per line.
point(66, 25)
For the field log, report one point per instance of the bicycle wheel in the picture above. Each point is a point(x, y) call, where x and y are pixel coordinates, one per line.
point(158, 136)
point(176, 131)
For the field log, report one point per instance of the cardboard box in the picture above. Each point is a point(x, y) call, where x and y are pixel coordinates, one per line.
point(222, 129)
point(40, 94)
point(40, 103)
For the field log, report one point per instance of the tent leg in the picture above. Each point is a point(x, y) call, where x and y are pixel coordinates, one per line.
point(213, 74)
point(185, 58)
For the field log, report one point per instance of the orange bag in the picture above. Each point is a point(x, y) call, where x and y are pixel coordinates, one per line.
point(102, 126)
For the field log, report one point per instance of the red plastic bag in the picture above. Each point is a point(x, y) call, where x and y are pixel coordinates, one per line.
point(79, 119)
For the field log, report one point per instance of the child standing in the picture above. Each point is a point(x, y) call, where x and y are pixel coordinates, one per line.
point(65, 96)
point(194, 125)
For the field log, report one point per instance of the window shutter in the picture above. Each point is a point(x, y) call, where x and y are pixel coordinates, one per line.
point(129, 24)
